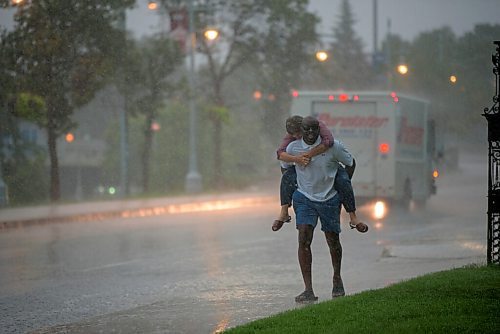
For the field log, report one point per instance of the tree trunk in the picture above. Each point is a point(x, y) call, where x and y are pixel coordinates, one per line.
point(275, 116)
point(55, 192)
point(218, 175)
point(146, 153)
point(218, 163)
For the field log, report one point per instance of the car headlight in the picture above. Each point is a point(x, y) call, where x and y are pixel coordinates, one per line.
point(379, 210)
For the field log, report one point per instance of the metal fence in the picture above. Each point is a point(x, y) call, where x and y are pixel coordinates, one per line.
point(492, 115)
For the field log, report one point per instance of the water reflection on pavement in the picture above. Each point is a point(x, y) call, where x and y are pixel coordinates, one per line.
point(204, 272)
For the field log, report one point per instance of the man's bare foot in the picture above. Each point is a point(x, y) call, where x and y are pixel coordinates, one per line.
point(338, 288)
point(306, 297)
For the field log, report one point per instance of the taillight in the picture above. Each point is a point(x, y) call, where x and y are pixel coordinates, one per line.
point(343, 97)
point(384, 148)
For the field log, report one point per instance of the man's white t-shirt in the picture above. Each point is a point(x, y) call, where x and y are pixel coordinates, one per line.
point(315, 181)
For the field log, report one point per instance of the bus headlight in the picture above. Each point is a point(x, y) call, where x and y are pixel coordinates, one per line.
point(379, 210)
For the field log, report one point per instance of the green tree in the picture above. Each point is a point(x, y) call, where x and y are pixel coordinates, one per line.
point(272, 35)
point(431, 59)
point(8, 122)
point(248, 29)
point(21, 160)
point(156, 59)
point(236, 47)
point(434, 56)
point(24, 174)
point(431, 56)
point(473, 68)
point(171, 159)
point(397, 51)
point(349, 69)
point(285, 52)
point(245, 37)
point(63, 50)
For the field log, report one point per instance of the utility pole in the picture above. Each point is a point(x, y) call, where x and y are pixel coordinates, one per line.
point(124, 151)
point(3, 189)
point(389, 55)
point(193, 177)
point(375, 28)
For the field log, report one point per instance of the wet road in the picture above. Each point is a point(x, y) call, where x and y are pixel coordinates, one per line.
point(205, 271)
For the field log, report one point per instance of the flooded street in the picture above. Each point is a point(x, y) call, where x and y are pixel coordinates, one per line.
point(202, 272)
point(141, 144)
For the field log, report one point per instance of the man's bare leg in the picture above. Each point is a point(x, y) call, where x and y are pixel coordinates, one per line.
point(335, 247)
point(305, 261)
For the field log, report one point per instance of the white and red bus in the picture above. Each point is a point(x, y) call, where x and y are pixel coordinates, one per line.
point(389, 135)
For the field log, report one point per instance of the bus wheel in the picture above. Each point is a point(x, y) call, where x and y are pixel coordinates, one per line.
point(407, 195)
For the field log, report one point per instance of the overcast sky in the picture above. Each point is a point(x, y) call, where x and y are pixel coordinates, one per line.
point(408, 17)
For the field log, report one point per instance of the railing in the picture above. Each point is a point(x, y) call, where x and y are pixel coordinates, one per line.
point(492, 115)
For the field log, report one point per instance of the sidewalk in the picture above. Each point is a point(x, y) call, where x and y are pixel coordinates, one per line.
point(127, 208)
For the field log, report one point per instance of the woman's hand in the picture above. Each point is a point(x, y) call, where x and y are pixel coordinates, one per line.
point(302, 160)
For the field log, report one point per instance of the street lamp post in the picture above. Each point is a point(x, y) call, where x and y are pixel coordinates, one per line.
point(124, 182)
point(193, 177)
point(3, 189)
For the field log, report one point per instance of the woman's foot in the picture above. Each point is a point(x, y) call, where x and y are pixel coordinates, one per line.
point(361, 227)
point(278, 223)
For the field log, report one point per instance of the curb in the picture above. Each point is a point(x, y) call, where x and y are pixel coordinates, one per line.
point(132, 209)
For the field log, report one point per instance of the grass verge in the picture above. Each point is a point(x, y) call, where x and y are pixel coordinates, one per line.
point(463, 300)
